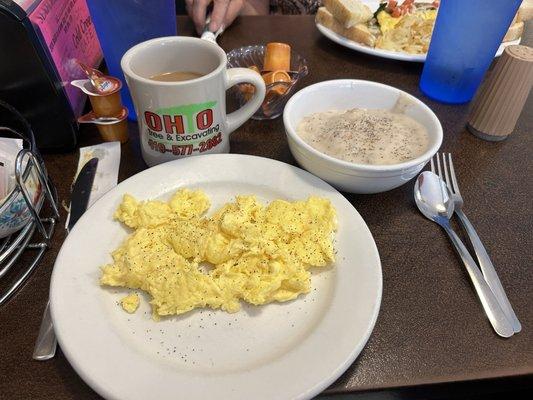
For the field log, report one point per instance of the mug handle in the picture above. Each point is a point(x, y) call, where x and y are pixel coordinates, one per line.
point(244, 75)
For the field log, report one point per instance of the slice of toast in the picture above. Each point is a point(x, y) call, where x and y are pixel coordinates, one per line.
point(358, 33)
point(514, 32)
point(525, 12)
point(348, 12)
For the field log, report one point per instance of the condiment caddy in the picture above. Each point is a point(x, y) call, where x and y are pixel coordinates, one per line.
point(29, 212)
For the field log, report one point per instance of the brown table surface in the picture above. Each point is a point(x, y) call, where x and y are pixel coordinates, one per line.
point(431, 327)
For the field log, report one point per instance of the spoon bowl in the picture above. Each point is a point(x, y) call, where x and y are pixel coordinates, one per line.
point(432, 197)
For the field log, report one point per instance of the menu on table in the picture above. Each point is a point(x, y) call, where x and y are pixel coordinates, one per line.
point(67, 32)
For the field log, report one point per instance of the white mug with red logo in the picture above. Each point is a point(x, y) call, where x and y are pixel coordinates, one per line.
point(185, 118)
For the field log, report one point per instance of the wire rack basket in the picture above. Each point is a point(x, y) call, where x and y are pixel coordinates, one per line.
point(29, 213)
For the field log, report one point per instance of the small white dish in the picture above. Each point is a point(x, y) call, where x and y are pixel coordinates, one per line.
point(344, 94)
point(393, 55)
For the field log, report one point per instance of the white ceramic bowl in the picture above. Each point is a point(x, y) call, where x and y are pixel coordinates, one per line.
point(344, 94)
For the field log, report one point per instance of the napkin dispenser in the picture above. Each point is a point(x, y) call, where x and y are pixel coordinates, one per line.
point(40, 41)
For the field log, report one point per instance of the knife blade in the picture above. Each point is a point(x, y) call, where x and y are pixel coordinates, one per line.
point(46, 343)
point(81, 191)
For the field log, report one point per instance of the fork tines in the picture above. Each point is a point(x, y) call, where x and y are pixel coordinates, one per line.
point(449, 171)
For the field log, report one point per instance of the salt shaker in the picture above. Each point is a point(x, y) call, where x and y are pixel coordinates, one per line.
point(502, 96)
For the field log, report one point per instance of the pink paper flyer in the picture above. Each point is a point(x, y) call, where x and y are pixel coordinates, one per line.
point(69, 35)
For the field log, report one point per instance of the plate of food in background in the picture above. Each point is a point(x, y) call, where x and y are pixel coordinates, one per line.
point(393, 29)
point(219, 276)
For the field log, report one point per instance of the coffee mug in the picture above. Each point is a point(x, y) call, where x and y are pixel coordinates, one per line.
point(185, 118)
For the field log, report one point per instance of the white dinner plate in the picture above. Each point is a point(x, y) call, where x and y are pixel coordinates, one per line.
point(290, 350)
point(393, 55)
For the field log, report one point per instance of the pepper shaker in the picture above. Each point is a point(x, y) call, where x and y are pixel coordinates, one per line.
point(502, 96)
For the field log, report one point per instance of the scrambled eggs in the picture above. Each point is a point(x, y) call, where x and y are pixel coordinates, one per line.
point(410, 32)
point(387, 22)
point(130, 303)
point(256, 253)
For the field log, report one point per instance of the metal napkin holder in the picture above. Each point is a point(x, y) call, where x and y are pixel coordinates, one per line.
point(35, 236)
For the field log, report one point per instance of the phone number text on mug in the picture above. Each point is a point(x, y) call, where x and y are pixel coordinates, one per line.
point(186, 149)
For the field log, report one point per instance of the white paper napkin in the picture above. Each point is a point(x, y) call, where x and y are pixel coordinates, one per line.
point(106, 177)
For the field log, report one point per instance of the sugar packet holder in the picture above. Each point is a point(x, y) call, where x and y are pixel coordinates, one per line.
point(9, 149)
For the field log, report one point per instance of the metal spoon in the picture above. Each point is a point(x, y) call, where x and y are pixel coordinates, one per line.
point(434, 201)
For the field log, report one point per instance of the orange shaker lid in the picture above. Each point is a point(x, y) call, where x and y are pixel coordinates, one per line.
point(277, 57)
point(276, 76)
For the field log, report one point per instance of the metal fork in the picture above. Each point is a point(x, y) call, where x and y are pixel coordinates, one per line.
point(483, 258)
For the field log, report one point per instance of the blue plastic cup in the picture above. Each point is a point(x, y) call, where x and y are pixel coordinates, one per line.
point(121, 24)
point(466, 37)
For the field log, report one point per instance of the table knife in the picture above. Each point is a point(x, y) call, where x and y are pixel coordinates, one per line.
point(46, 344)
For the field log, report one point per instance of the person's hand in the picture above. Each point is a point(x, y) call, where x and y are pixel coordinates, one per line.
point(224, 12)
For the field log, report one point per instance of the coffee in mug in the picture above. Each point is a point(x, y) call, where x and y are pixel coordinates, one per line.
point(176, 76)
point(178, 85)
